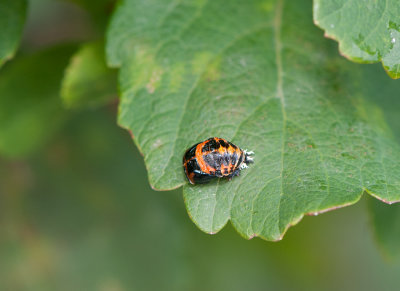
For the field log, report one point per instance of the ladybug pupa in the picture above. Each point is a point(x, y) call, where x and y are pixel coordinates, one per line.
point(214, 158)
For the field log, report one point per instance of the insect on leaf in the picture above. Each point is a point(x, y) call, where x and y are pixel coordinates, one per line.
point(260, 74)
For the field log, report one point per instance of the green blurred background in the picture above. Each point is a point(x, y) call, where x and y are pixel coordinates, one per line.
point(79, 214)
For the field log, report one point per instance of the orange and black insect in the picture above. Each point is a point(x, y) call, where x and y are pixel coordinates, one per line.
point(214, 158)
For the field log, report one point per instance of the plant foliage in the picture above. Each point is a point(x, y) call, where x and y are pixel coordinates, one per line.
point(261, 75)
point(367, 31)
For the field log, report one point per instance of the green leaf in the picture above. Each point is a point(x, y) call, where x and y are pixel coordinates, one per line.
point(367, 31)
point(259, 74)
point(12, 19)
point(30, 107)
point(88, 82)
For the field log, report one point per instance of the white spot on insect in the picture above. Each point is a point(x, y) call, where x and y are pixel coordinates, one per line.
point(243, 166)
point(393, 40)
point(250, 159)
point(332, 25)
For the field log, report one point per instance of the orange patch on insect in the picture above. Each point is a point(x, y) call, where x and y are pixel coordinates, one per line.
point(223, 168)
point(221, 150)
point(191, 177)
point(200, 160)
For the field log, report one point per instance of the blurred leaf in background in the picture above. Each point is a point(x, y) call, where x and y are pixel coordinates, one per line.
point(385, 219)
point(12, 20)
point(386, 95)
point(386, 224)
point(30, 106)
point(88, 82)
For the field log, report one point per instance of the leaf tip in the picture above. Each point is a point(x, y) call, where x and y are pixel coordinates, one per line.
point(390, 202)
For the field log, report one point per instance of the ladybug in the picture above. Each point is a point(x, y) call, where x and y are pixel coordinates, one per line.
point(214, 158)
